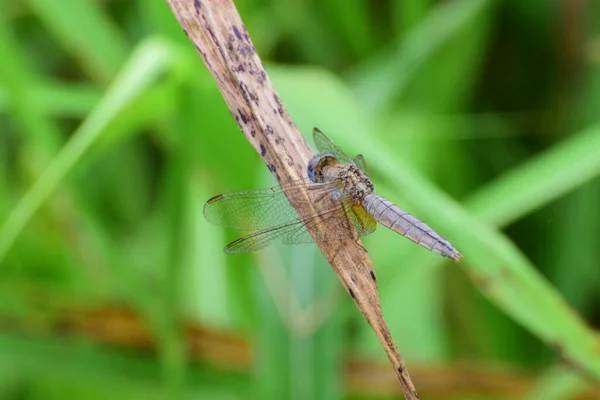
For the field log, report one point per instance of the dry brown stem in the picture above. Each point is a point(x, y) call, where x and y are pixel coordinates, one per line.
point(216, 30)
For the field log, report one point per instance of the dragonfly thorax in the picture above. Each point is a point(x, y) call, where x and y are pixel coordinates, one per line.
point(354, 181)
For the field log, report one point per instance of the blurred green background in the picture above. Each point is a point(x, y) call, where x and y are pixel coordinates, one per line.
point(478, 116)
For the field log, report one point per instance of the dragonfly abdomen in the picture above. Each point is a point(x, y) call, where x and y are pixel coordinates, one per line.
point(398, 220)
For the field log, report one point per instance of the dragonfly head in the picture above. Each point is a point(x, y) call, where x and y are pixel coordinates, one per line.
point(315, 166)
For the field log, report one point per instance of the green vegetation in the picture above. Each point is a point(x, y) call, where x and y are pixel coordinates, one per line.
point(478, 116)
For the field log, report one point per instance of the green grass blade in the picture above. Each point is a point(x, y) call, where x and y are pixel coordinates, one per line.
point(380, 79)
point(563, 168)
point(151, 59)
point(408, 14)
point(57, 99)
point(557, 384)
point(353, 25)
point(19, 81)
point(86, 31)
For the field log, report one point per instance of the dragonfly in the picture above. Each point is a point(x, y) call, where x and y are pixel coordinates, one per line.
point(339, 187)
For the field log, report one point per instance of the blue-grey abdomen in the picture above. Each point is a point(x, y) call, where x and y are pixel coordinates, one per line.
point(398, 220)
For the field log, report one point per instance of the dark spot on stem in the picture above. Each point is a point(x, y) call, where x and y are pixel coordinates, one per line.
point(243, 116)
point(197, 6)
point(400, 369)
point(212, 35)
point(386, 336)
point(351, 293)
point(269, 130)
point(272, 167)
point(373, 276)
point(279, 104)
point(244, 90)
point(263, 151)
point(237, 33)
point(253, 133)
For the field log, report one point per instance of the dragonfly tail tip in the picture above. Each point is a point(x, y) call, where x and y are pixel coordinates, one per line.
point(456, 256)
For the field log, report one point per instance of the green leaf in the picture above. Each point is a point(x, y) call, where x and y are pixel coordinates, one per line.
point(539, 181)
point(380, 80)
point(151, 59)
point(85, 30)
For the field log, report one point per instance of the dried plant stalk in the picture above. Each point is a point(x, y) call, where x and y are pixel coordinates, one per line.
point(216, 30)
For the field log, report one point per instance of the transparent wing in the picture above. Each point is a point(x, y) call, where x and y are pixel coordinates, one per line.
point(260, 209)
point(297, 231)
point(337, 227)
point(364, 223)
point(262, 239)
point(291, 232)
point(325, 145)
point(360, 162)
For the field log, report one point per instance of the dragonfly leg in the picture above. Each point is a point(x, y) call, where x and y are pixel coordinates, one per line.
point(336, 253)
point(357, 240)
point(320, 198)
point(343, 244)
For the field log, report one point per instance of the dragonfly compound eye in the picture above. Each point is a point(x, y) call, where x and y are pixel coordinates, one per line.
point(316, 165)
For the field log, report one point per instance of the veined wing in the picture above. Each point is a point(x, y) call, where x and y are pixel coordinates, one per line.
point(255, 210)
point(363, 222)
point(325, 145)
point(360, 162)
point(297, 230)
